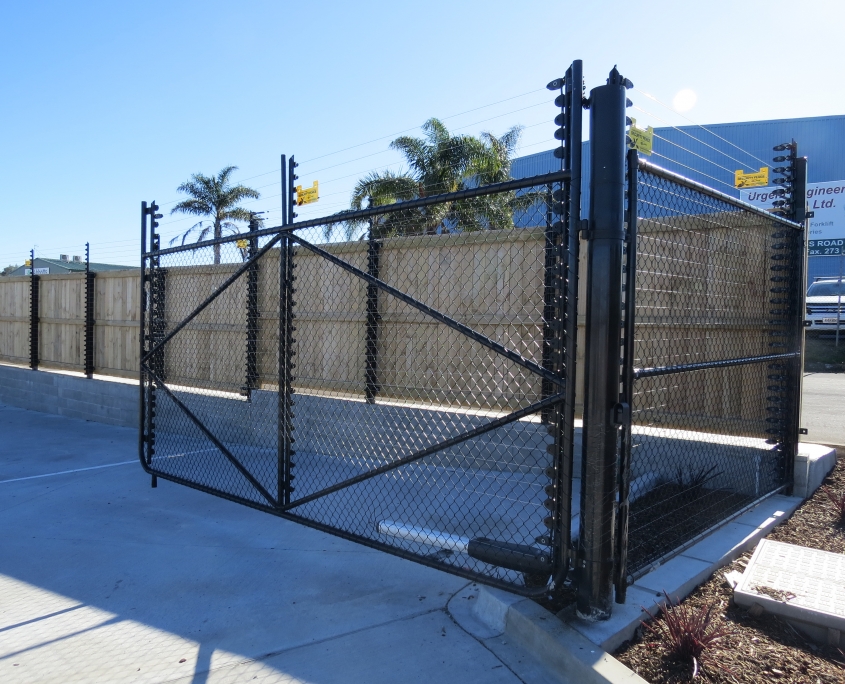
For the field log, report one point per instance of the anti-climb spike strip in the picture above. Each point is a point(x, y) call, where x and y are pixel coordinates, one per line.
point(287, 390)
point(782, 259)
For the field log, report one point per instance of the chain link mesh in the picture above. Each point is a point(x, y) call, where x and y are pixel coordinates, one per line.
point(716, 353)
point(362, 386)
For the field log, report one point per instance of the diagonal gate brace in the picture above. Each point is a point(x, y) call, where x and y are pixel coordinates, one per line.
point(228, 454)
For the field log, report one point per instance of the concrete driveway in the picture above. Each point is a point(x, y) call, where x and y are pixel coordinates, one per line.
point(823, 408)
point(103, 579)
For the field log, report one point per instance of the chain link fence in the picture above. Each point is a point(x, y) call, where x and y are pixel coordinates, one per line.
point(716, 353)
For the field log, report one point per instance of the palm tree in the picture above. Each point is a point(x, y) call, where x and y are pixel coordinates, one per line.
point(439, 163)
point(213, 196)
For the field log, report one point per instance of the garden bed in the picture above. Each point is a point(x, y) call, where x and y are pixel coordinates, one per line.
point(754, 649)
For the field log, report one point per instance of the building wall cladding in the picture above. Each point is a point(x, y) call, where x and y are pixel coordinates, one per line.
point(711, 153)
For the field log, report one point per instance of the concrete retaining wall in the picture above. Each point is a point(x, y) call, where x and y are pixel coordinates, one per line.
point(72, 396)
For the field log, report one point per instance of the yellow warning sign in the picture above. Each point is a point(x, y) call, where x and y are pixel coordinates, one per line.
point(307, 195)
point(755, 179)
point(242, 244)
point(642, 140)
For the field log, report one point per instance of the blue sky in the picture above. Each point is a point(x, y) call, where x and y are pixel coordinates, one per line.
point(106, 104)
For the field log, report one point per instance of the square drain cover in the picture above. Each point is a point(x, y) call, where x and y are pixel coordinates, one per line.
point(794, 582)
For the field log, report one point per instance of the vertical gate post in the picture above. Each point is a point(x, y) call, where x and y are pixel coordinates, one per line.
point(89, 313)
point(284, 415)
point(252, 312)
point(799, 215)
point(627, 394)
point(34, 296)
point(560, 313)
point(371, 369)
point(143, 436)
point(606, 235)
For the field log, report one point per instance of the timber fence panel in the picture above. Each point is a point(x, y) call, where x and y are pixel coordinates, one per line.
point(14, 319)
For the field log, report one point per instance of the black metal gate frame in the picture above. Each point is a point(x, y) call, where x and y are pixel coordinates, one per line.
point(630, 374)
point(561, 401)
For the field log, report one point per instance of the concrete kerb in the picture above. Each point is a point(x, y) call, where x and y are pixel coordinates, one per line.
point(492, 615)
point(575, 650)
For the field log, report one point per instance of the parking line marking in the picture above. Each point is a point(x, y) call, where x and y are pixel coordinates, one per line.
point(67, 472)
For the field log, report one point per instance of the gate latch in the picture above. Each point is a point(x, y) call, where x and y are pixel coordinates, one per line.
point(802, 431)
point(622, 413)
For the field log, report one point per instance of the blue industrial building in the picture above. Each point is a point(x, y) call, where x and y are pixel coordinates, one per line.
point(711, 154)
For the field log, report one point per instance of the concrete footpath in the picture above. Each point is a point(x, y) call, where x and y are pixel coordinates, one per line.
point(103, 579)
point(823, 408)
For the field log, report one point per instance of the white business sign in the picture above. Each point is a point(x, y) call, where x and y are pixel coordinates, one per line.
point(826, 201)
point(38, 271)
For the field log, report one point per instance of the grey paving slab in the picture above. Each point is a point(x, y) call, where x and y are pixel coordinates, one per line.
point(821, 410)
point(105, 579)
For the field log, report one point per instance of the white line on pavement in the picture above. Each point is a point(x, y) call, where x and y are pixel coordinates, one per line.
point(67, 472)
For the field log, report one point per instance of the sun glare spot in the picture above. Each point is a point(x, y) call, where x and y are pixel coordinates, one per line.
point(684, 100)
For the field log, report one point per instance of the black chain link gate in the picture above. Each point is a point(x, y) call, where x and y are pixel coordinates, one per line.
point(407, 390)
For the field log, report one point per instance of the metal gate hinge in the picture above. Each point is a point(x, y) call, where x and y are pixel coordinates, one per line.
point(584, 232)
point(622, 413)
point(802, 431)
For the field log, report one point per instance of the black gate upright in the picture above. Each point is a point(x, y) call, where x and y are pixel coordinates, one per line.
point(411, 392)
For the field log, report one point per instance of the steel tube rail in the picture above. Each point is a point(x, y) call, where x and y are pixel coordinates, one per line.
point(705, 365)
point(714, 194)
point(481, 191)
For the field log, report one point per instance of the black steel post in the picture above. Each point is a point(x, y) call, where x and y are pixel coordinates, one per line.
point(285, 424)
point(799, 289)
point(560, 309)
point(142, 340)
point(569, 314)
point(89, 314)
point(34, 296)
point(606, 235)
point(252, 312)
point(157, 328)
point(284, 190)
point(627, 395)
point(371, 368)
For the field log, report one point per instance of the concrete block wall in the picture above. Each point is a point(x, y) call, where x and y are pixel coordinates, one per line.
point(103, 401)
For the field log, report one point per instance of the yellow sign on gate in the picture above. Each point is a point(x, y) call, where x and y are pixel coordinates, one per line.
point(307, 195)
point(642, 140)
point(755, 179)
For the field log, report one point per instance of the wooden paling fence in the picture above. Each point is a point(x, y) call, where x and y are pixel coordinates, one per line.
point(61, 321)
point(331, 308)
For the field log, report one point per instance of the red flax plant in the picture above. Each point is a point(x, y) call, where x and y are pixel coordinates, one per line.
point(838, 501)
point(689, 634)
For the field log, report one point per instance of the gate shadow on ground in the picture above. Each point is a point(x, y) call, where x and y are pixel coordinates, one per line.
point(104, 575)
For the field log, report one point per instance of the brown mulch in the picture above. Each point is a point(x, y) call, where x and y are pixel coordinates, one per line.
point(761, 649)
